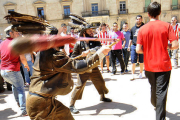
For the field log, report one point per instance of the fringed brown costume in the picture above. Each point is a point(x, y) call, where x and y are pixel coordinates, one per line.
point(52, 70)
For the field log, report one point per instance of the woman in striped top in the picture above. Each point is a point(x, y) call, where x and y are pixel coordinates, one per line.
point(104, 34)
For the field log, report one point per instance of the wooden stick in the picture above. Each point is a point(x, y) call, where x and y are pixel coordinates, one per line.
point(110, 46)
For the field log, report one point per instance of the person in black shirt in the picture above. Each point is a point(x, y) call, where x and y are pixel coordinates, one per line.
point(132, 47)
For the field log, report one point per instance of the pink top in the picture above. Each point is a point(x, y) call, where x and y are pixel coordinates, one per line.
point(9, 61)
point(117, 35)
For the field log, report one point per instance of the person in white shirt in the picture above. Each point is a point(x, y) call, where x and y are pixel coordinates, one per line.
point(64, 33)
point(174, 55)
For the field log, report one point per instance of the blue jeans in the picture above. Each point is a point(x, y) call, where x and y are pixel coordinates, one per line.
point(26, 73)
point(15, 78)
point(134, 55)
point(174, 55)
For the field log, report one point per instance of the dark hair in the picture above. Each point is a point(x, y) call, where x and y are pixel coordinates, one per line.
point(54, 31)
point(125, 23)
point(103, 24)
point(154, 9)
point(8, 32)
point(139, 16)
point(63, 24)
point(72, 28)
point(115, 23)
point(84, 32)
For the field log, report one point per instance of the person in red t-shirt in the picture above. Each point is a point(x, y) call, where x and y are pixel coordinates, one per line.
point(152, 41)
point(104, 34)
point(10, 69)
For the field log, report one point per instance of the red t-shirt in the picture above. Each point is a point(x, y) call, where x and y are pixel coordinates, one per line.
point(154, 38)
point(70, 48)
point(8, 60)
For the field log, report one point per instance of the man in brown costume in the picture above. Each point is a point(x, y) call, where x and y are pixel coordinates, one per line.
point(52, 74)
point(95, 75)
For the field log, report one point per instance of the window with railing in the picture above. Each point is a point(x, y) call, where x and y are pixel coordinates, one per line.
point(94, 9)
point(174, 5)
point(40, 12)
point(123, 9)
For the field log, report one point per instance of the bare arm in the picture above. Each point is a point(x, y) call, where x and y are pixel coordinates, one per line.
point(124, 42)
point(139, 49)
point(32, 57)
point(173, 45)
point(24, 61)
point(130, 42)
point(60, 31)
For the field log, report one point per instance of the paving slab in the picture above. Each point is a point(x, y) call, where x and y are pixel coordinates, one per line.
point(131, 100)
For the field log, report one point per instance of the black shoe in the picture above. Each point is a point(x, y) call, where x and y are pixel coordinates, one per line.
point(122, 73)
point(9, 86)
point(9, 89)
point(1, 91)
point(114, 72)
point(73, 110)
point(106, 100)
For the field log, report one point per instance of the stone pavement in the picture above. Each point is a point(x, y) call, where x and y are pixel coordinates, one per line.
point(131, 100)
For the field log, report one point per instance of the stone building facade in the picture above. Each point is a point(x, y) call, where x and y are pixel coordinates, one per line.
point(94, 11)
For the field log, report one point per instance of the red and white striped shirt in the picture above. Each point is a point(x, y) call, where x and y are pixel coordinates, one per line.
point(104, 35)
point(176, 29)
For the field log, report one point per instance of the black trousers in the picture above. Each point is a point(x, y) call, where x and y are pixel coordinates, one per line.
point(9, 86)
point(159, 82)
point(126, 55)
point(117, 54)
point(1, 84)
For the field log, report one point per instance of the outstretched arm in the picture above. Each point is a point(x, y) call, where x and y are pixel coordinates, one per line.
point(28, 44)
point(82, 66)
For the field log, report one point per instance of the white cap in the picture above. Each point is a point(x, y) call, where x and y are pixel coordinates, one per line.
point(7, 29)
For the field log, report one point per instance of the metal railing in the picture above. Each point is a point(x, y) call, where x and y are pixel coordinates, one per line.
point(175, 7)
point(123, 11)
point(95, 13)
point(65, 16)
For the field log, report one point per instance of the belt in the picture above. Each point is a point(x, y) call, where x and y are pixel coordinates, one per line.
point(38, 95)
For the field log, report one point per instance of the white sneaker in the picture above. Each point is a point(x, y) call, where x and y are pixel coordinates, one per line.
point(132, 77)
point(140, 76)
point(175, 67)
